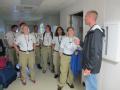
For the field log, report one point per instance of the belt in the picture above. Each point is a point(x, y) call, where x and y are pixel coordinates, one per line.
point(27, 51)
point(56, 51)
point(66, 54)
point(38, 46)
point(46, 46)
point(11, 47)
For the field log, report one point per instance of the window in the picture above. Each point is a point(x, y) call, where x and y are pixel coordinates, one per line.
point(42, 29)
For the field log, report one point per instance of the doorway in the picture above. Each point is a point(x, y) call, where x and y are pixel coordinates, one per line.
point(76, 21)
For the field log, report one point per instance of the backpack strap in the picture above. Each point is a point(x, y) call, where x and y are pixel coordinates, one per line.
point(52, 35)
point(45, 33)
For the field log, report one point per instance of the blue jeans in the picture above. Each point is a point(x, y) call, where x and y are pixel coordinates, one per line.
point(91, 82)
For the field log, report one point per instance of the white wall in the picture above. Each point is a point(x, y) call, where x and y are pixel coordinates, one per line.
point(65, 13)
point(110, 72)
point(109, 78)
point(2, 28)
point(112, 8)
point(52, 20)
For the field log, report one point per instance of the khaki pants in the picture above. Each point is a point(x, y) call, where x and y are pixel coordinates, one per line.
point(27, 60)
point(56, 62)
point(13, 57)
point(66, 74)
point(46, 53)
point(37, 55)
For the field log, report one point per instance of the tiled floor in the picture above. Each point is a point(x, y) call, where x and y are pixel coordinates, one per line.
point(43, 82)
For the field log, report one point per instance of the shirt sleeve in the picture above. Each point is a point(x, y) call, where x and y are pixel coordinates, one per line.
point(9, 39)
point(17, 41)
point(74, 45)
point(62, 45)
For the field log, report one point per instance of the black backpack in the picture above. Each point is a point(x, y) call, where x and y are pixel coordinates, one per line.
point(50, 34)
point(2, 48)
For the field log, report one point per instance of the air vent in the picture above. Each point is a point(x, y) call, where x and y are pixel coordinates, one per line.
point(31, 2)
point(24, 8)
point(28, 7)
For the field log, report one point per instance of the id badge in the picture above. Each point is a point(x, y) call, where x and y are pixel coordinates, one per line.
point(76, 52)
point(27, 52)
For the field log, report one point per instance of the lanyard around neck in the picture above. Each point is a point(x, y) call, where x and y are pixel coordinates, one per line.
point(36, 35)
point(27, 41)
point(48, 37)
point(59, 40)
point(13, 35)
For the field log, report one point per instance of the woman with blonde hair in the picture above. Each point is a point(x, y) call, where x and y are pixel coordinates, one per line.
point(68, 45)
point(26, 43)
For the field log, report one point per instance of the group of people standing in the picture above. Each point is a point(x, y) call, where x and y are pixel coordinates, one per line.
point(44, 50)
point(54, 51)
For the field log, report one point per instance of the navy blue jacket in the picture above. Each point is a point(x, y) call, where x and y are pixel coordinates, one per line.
point(92, 49)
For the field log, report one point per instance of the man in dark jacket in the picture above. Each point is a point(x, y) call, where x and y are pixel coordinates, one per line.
point(92, 51)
